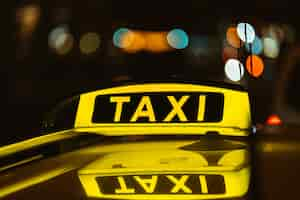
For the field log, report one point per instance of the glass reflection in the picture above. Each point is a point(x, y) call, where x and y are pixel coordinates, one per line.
point(199, 169)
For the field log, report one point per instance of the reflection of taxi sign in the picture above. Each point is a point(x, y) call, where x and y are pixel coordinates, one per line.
point(162, 184)
point(164, 172)
point(164, 108)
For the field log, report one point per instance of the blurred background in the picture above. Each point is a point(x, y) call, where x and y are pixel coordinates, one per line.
point(58, 49)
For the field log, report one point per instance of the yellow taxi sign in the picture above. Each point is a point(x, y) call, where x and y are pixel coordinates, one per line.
point(164, 108)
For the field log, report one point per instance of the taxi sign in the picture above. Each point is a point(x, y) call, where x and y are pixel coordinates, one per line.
point(180, 107)
point(166, 108)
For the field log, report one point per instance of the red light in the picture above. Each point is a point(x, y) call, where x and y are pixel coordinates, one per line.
point(274, 120)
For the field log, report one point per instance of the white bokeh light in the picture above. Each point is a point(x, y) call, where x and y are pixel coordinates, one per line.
point(55, 34)
point(271, 47)
point(60, 40)
point(247, 36)
point(234, 70)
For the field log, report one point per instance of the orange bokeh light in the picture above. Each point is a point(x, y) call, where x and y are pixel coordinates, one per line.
point(257, 67)
point(233, 38)
point(28, 17)
point(134, 41)
point(156, 41)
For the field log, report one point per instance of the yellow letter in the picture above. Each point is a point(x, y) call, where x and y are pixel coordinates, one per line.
point(179, 184)
point(203, 184)
point(177, 108)
point(147, 184)
point(123, 187)
point(119, 101)
point(201, 108)
point(145, 102)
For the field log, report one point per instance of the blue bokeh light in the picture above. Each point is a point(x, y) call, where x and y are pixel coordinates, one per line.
point(178, 39)
point(118, 35)
point(257, 46)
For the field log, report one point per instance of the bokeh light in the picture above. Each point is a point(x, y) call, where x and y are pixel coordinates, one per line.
point(54, 35)
point(133, 41)
point(234, 70)
point(254, 65)
point(246, 32)
point(89, 43)
point(156, 42)
point(256, 47)
point(271, 47)
point(122, 37)
point(60, 40)
point(274, 120)
point(28, 17)
point(178, 39)
point(233, 38)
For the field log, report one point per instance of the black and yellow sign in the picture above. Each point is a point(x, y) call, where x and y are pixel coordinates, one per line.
point(159, 107)
point(164, 108)
point(162, 184)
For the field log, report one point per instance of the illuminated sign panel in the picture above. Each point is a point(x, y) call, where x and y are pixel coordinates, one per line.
point(164, 108)
point(162, 184)
point(159, 107)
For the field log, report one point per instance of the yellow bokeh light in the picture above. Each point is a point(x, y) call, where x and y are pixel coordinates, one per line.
point(89, 43)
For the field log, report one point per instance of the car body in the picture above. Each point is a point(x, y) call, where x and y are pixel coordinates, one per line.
point(139, 141)
point(159, 164)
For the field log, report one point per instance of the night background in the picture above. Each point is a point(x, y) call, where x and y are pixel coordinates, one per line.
point(44, 68)
point(56, 49)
